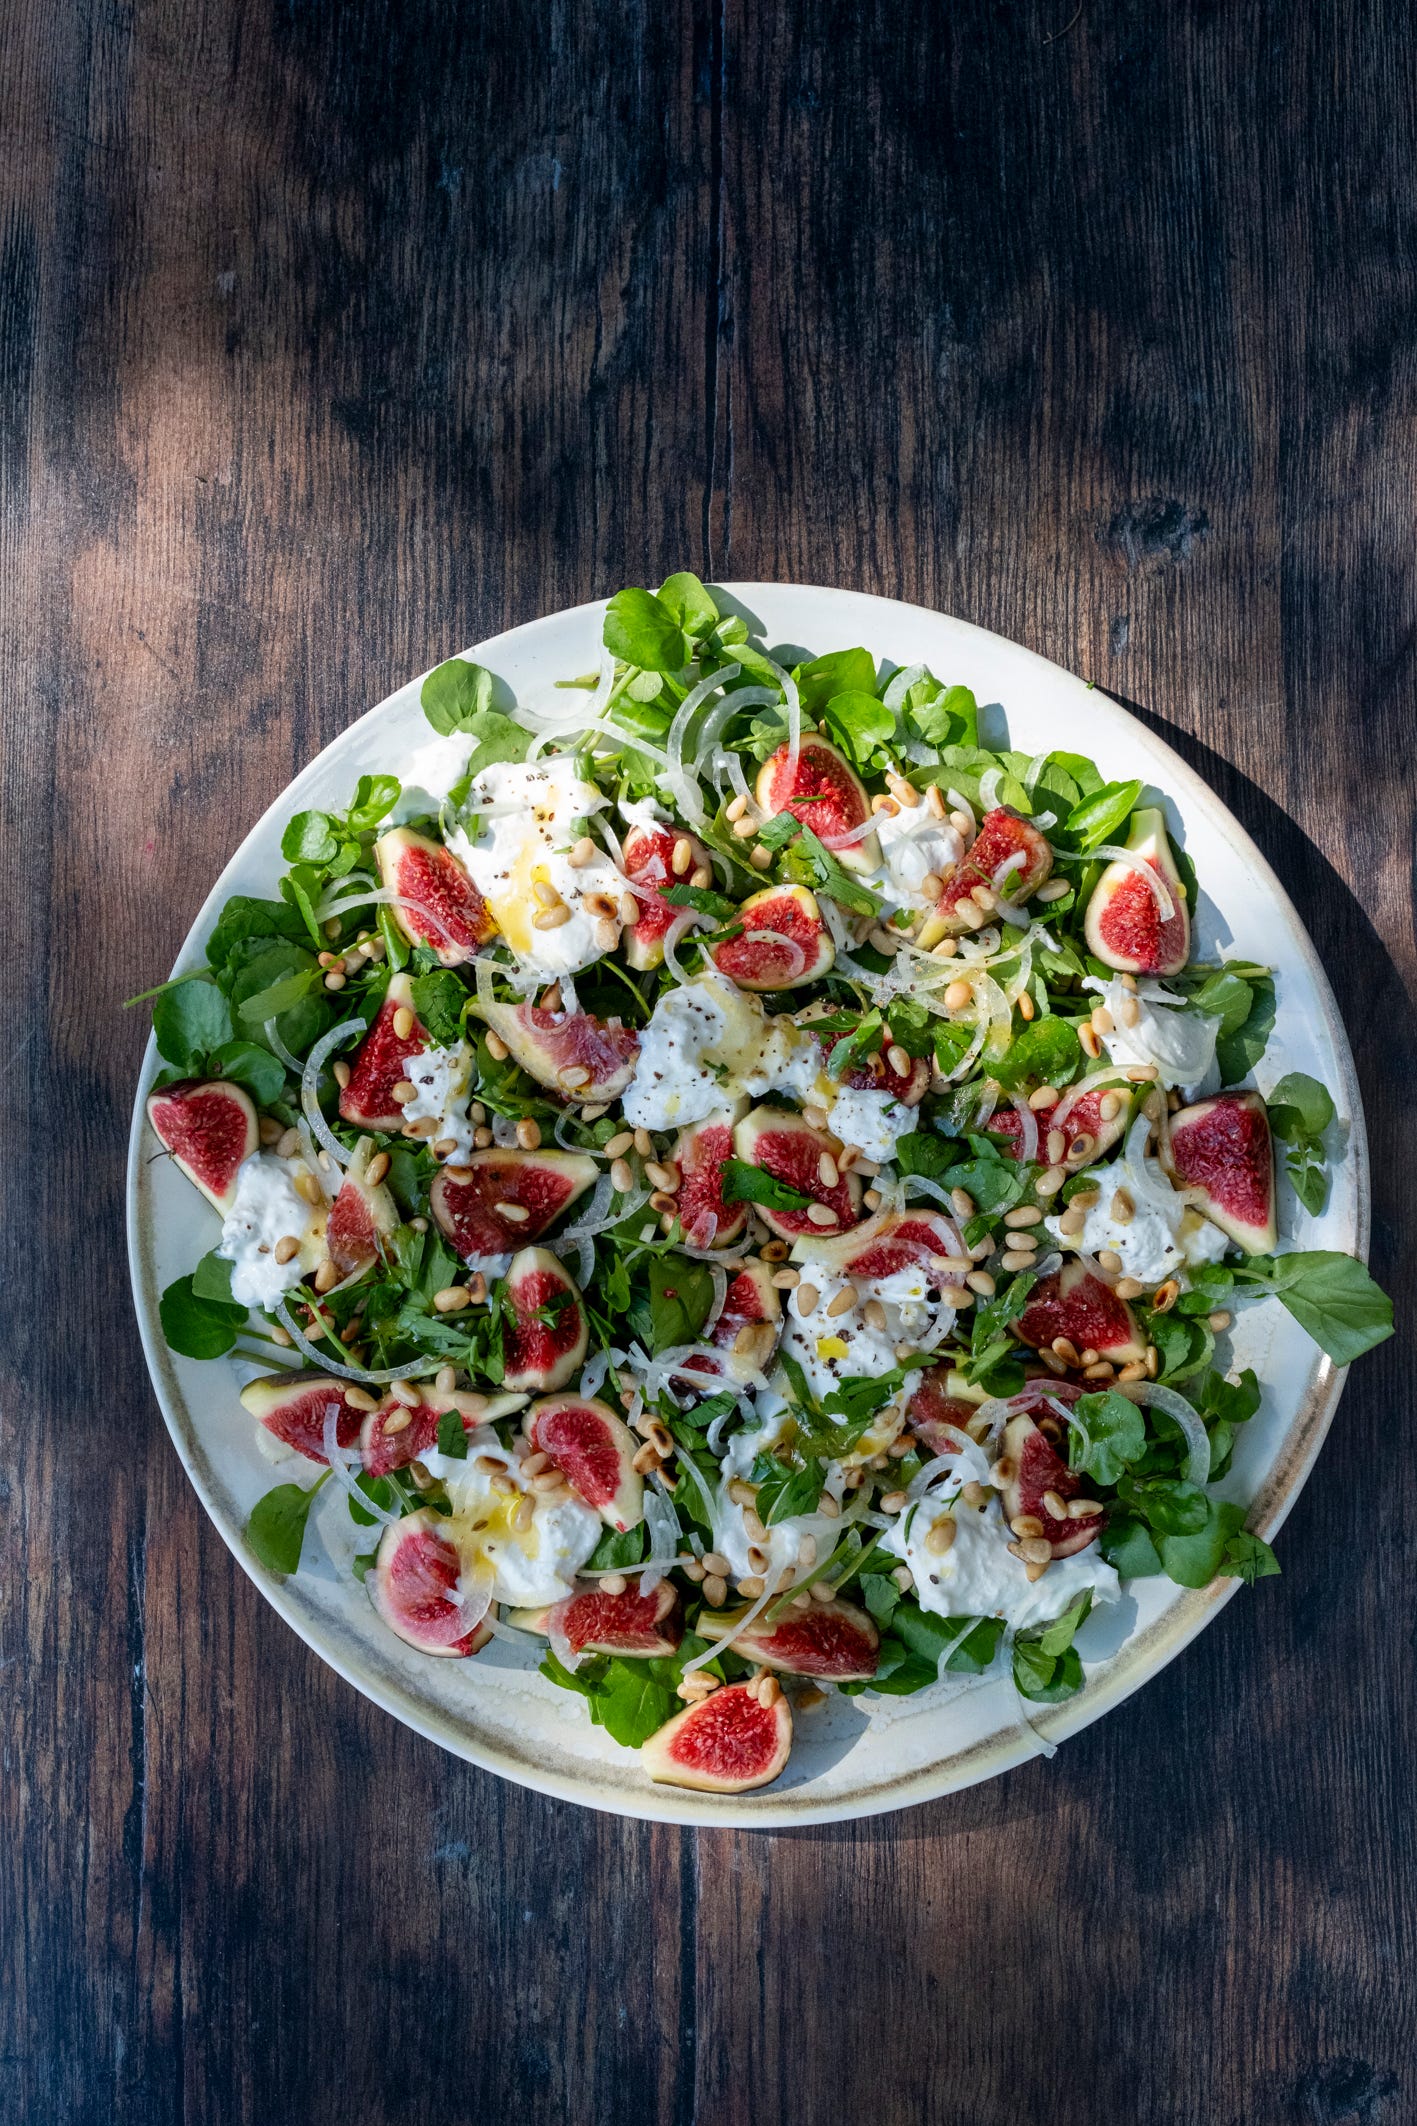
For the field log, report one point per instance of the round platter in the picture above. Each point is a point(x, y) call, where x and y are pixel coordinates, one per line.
point(854, 1757)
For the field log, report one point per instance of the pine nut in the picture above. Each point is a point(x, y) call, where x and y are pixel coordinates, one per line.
point(1166, 1296)
point(874, 1315)
point(933, 886)
point(1219, 1320)
point(545, 893)
point(403, 1391)
point(1025, 1214)
point(904, 792)
point(945, 950)
point(551, 918)
point(744, 826)
point(741, 1492)
point(404, 1092)
point(1081, 1149)
point(1026, 1524)
point(583, 853)
point(1066, 1350)
point(701, 876)
point(753, 1527)
point(829, 1507)
point(981, 1282)
point(528, 1133)
point(1044, 1097)
point(1082, 1509)
point(1057, 1147)
point(786, 1280)
point(1103, 1021)
point(1088, 1041)
point(497, 1048)
point(288, 1144)
point(1109, 1106)
point(844, 1301)
point(974, 1493)
point(893, 1502)
point(1123, 1208)
point(482, 1139)
point(375, 1171)
point(1055, 1505)
point(1018, 1259)
point(682, 856)
point(827, 1171)
point(360, 1399)
point(1033, 1549)
point(287, 1249)
point(622, 1178)
point(546, 1480)
point(452, 1299)
point(807, 1297)
point(898, 1059)
point(984, 897)
point(822, 1213)
point(941, 1536)
point(1101, 1369)
point(663, 1177)
point(308, 1188)
point(1053, 891)
point(514, 1213)
point(934, 798)
point(962, 1202)
point(1109, 1260)
point(958, 995)
point(769, 1690)
point(736, 808)
point(881, 804)
point(1129, 1011)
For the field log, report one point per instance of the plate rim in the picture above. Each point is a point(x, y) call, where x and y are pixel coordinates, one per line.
point(1147, 1654)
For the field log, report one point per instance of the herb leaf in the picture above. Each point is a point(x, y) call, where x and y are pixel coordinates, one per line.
point(743, 1183)
point(1330, 1295)
point(643, 630)
point(195, 1327)
point(276, 1527)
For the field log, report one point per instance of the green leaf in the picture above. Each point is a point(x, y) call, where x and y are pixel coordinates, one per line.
point(1126, 1544)
point(1048, 1050)
point(1299, 1108)
point(616, 1550)
point(832, 880)
point(922, 1151)
point(861, 722)
point(1058, 1636)
point(189, 1019)
point(454, 693)
point(276, 1528)
point(1248, 1557)
point(497, 738)
point(1226, 997)
point(717, 905)
point(438, 1000)
point(967, 1643)
point(243, 918)
point(1099, 817)
point(198, 1328)
point(212, 1280)
point(864, 1038)
point(1237, 1053)
point(840, 672)
point(452, 1436)
point(641, 629)
point(786, 1493)
point(310, 838)
point(246, 1064)
point(374, 797)
point(1330, 1295)
point(743, 1183)
point(1108, 1431)
point(881, 1596)
point(680, 1296)
point(995, 1184)
point(944, 716)
point(777, 832)
point(1041, 1678)
point(379, 1490)
point(691, 605)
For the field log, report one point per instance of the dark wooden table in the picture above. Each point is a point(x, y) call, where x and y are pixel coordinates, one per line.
point(333, 337)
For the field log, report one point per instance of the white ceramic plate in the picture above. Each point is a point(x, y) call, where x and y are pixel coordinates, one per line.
point(853, 1757)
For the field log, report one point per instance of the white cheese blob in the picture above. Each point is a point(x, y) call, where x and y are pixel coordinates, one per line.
point(1164, 1234)
point(429, 775)
point(872, 1121)
point(1179, 1043)
point(708, 1044)
point(831, 1348)
point(442, 1080)
point(530, 1566)
point(527, 844)
point(914, 842)
point(267, 1210)
point(978, 1576)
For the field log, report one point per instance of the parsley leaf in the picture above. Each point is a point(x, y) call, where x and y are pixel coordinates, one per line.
point(717, 905)
point(749, 1184)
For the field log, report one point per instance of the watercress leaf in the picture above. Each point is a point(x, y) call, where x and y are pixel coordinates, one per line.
point(1048, 1050)
point(1098, 818)
point(990, 1320)
point(944, 716)
point(1108, 1432)
point(691, 605)
point(197, 1327)
point(496, 737)
point(1226, 997)
point(189, 1019)
point(454, 693)
point(617, 1550)
point(254, 1068)
point(1248, 1557)
point(1299, 1108)
point(786, 1493)
point(641, 629)
point(1047, 1681)
point(865, 1037)
point(861, 721)
point(438, 1000)
point(374, 797)
point(1237, 1052)
point(840, 672)
point(1193, 1559)
point(680, 1295)
point(376, 1488)
point(743, 1183)
point(881, 1596)
point(244, 917)
point(1169, 1505)
point(1126, 1544)
point(707, 902)
point(276, 1527)
point(452, 1436)
point(1330, 1295)
point(994, 1183)
point(1234, 1402)
point(310, 838)
point(634, 1698)
point(1057, 1637)
point(1308, 1176)
point(923, 1151)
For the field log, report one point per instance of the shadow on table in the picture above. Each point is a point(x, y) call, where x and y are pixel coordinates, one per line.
point(1176, 1736)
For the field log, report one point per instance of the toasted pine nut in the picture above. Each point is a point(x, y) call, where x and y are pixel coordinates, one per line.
point(1026, 1524)
point(844, 1301)
point(893, 1502)
point(287, 1249)
point(1090, 1044)
point(514, 1213)
point(827, 1171)
point(584, 853)
point(941, 1536)
point(1044, 1097)
point(962, 1202)
point(308, 1188)
point(807, 1297)
point(452, 1299)
point(958, 995)
point(551, 918)
point(822, 1213)
point(786, 1280)
point(528, 1133)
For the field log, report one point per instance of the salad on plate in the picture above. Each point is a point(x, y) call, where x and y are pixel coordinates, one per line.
point(740, 1180)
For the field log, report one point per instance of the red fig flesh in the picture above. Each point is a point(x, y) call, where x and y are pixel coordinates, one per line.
point(932, 1408)
point(783, 941)
point(826, 794)
point(1002, 836)
point(785, 1146)
point(1124, 924)
point(1088, 1131)
point(594, 1622)
point(876, 1073)
point(726, 1744)
point(293, 1406)
point(362, 1214)
point(752, 1301)
point(1222, 1149)
point(379, 1063)
point(891, 1241)
point(476, 1205)
point(414, 1587)
point(699, 1154)
point(425, 872)
point(393, 1435)
point(543, 1346)
point(209, 1129)
point(574, 1054)
point(834, 1640)
point(1074, 1304)
point(1039, 1471)
point(649, 866)
point(595, 1452)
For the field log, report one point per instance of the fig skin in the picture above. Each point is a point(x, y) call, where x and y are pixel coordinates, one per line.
point(425, 871)
point(826, 776)
point(544, 1184)
point(412, 1584)
point(1123, 924)
point(726, 1744)
point(756, 963)
point(1222, 1151)
point(417, 1432)
point(881, 1245)
point(292, 1407)
point(699, 1153)
point(379, 1062)
point(835, 1641)
point(548, 1044)
point(209, 1124)
point(539, 1356)
point(788, 1148)
point(634, 1625)
point(1075, 1304)
point(595, 1451)
point(362, 1215)
point(649, 866)
point(1038, 1469)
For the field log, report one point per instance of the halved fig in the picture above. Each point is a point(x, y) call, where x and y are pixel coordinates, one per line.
point(361, 1216)
point(935, 1403)
point(595, 1451)
point(699, 1154)
point(826, 794)
point(726, 1744)
point(574, 1054)
point(209, 1129)
point(414, 1586)
point(883, 1244)
point(502, 1198)
point(1222, 1150)
point(875, 1072)
point(783, 941)
point(746, 1330)
point(379, 1062)
point(1002, 837)
point(1124, 925)
point(1075, 1304)
point(1038, 1472)
point(1089, 1132)
point(834, 1640)
point(785, 1146)
point(450, 914)
point(293, 1406)
point(393, 1435)
point(649, 866)
point(544, 1340)
point(594, 1622)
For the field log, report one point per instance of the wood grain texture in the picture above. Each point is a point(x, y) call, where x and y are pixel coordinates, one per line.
point(332, 338)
